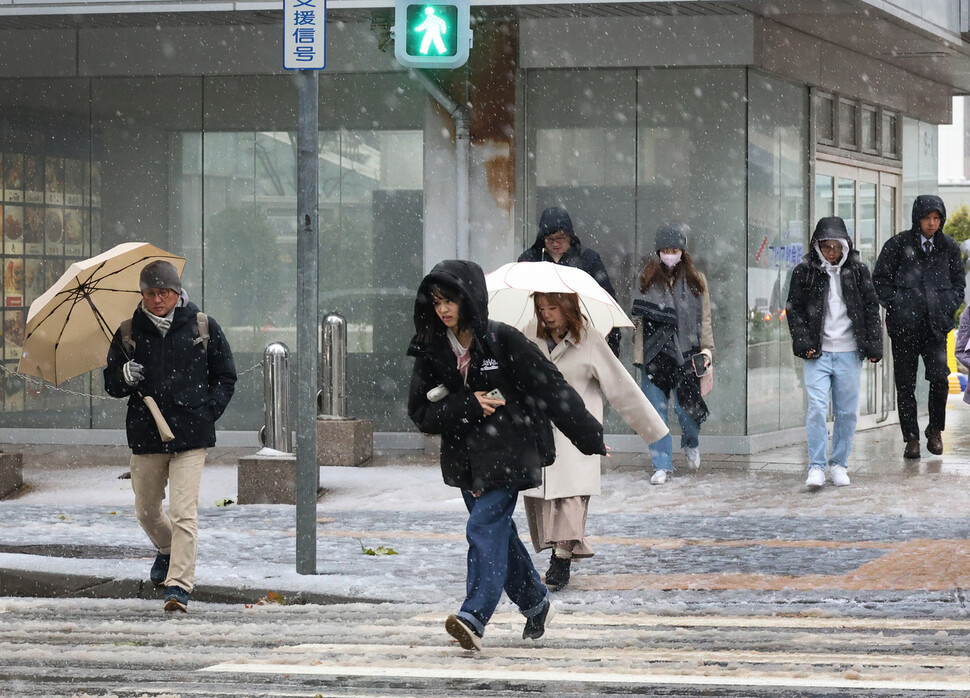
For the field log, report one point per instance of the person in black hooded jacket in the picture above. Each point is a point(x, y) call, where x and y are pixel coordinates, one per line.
point(833, 317)
point(919, 280)
point(558, 243)
point(488, 441)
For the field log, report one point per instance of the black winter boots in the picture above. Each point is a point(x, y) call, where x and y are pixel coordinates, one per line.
point(558, 575)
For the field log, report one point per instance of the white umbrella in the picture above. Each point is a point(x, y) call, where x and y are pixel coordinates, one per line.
point(510, 289)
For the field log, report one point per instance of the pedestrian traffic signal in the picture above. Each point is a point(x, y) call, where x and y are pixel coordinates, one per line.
point(431, 34)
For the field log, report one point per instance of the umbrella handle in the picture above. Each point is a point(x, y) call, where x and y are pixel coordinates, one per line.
point(163, 428)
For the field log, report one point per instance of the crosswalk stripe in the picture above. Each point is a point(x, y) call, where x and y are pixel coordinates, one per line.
point(729, 621)
point(645, 655)
point(538, 675)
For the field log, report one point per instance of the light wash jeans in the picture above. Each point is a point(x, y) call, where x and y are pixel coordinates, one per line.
point(690, 431)
point(497, 560)
point(835, 373)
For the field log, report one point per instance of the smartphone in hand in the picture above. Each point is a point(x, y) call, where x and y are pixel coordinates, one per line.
point(495, 394)
point(701, 367)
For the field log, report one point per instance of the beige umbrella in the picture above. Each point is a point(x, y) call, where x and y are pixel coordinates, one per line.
point(70, 326)
point(510, 290)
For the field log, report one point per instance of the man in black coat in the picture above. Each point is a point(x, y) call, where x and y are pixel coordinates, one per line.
point(179, 357)
point(833, 317)
point(919, 280)
point(558, 243)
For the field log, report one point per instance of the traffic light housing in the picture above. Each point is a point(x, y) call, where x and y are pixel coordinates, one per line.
point(432, 34)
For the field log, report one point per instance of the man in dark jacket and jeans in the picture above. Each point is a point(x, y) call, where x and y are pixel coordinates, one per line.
point(558, 243)
point(833, 316)
point(165, 354)
point(919, 280)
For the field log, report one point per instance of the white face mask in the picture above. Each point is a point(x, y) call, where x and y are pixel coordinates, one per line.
point(671, 260)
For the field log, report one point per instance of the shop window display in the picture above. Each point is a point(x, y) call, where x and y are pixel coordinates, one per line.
point(50, 190)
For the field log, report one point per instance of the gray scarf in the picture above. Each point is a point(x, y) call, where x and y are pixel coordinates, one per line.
point(162, 323)
point(688, 310)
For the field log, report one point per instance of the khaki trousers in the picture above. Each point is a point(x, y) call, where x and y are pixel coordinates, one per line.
point(177, 532)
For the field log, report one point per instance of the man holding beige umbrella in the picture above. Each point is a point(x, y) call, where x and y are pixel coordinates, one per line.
point(179, 356)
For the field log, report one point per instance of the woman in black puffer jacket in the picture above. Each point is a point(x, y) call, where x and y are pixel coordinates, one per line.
point(489, 443)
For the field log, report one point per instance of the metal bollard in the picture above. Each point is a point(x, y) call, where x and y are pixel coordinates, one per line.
point(332, 398)
point(275, 433)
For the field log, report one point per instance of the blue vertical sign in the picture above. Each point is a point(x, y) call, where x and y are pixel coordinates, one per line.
point(304, 34)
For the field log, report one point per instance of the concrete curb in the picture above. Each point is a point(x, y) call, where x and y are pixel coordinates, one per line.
point(35, 584)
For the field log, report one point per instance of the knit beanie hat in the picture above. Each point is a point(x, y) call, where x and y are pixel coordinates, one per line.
point(672, 236)
point(160, 274)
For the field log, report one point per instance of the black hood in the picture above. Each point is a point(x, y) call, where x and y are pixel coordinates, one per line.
point(924, 204)
point(468, 280)
point(831, 228)
point(553, 219)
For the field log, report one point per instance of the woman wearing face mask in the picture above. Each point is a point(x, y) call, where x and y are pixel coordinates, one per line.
point(674, 342)
point(556, 510)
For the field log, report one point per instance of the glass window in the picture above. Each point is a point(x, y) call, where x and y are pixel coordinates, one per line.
point(824, 196)
point(825, 114)
point(869, 133)
point(777, 234)
point(865, 243)
point(691, 152)
point(848, 135)
point(846, 203)
point(890, 145)
point(866, 233)
point(370, 180)
point(581, 144)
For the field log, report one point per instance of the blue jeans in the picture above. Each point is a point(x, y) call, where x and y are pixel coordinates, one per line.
point(835, 373)
point(690, 431)
point(497, 559)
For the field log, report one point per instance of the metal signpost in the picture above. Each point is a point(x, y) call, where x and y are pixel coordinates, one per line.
point(304, 33)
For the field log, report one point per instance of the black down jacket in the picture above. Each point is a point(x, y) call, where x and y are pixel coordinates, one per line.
point(808, 297)
point(192, 386)
point(917, 289)
point(479, 452)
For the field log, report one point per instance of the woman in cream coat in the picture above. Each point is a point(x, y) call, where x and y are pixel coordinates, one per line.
point(556, 510)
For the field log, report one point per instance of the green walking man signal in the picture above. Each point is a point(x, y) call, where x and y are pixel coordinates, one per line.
point(432, 35)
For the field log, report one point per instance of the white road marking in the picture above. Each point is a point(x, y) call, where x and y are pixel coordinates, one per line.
point(505, 659)
point(534, 675)
point(646, 655)
point(729, 621)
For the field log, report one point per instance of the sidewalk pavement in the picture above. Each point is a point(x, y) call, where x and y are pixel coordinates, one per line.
point(742, 532)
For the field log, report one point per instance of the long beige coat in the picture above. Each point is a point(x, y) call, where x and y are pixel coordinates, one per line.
point(591, 368)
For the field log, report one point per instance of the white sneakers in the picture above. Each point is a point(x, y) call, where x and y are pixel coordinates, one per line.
point(839, 475)
point(693, 458)
point(659, 477)
point(816, 477)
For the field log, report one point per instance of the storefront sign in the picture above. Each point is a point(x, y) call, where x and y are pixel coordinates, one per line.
point(304, 34)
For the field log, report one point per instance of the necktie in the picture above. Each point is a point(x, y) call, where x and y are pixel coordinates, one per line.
point(927, 246)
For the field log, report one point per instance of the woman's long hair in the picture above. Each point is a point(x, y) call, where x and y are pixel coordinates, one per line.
point(433, 326)
point(572, 316)
point(656, 272)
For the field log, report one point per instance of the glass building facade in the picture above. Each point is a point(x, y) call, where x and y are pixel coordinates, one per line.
point(205, 166)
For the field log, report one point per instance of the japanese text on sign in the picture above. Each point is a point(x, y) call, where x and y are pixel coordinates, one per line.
point(304, 34)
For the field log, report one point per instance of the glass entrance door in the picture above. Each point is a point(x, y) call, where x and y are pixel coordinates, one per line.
point(868, 201)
